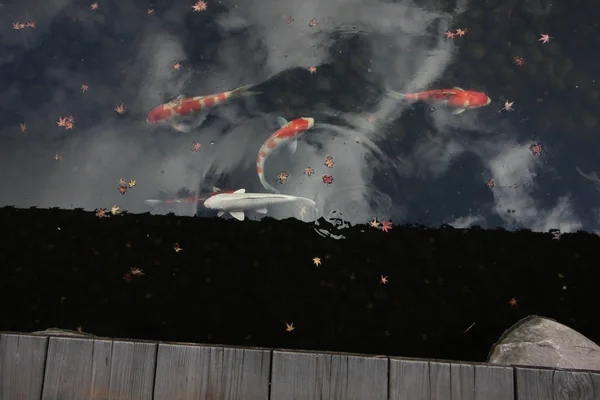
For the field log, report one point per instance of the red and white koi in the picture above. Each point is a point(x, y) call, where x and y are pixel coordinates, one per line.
point(287, 134)
point(456, 98)
point(175, 111)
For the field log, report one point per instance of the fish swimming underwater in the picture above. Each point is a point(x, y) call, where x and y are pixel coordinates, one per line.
point(458, 99)
point(287, 134)
point(592, 176)
point(239, 201)
point(177, 111)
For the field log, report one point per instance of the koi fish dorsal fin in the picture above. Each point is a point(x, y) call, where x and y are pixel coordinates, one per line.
point(282, 122)
point(177, 100)
point(240, 191)
point(216, 189)
point(458, 88)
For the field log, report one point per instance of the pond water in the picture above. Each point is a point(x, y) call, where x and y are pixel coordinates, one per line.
point(81, 80)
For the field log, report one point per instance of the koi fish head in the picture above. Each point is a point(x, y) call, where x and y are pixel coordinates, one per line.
point(296, 126)
point(309, 121)
point(478, 99)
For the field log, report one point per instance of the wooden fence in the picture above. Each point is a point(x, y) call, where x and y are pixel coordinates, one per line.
point(42, 367)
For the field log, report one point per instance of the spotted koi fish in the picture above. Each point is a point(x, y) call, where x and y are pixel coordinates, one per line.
point(176, 111)
point(287, 134)
point(456, 98)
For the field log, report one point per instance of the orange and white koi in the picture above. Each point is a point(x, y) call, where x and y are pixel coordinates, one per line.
point(287, 134)
point(175, 111)
point(458, 99)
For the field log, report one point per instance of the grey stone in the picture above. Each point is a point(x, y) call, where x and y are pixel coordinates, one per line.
point(540, 341)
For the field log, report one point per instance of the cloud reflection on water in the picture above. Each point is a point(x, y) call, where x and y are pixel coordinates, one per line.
point(408, 53)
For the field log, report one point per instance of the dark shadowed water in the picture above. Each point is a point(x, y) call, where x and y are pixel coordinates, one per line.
point(392, 160)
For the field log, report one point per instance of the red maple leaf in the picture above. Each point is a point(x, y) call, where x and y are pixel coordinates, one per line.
point(386, 226)
point(328, 179)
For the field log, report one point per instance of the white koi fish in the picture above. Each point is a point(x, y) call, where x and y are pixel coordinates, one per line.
point(239, 201)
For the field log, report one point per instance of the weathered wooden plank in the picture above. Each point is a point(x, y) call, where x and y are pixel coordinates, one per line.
point(494, 383)
point(299, 375)
point(534, 383)
point(462, 377)
point(423, 380)
point(207, 372)
point(22, 360)
point(440, 382)
point(132, 370)
point(77, 368)
point(354, 377)
point(68, 369)
point(294, 374)
point(409, 379)
point(38, 367)
point(101, 363)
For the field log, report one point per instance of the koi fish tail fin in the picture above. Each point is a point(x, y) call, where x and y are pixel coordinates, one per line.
point(313, 206)
point(396, 95)
point(401, 96)
point(311, 202)
point(266, 185)
point(153, 202)
point(592, 176)
point(244, 91)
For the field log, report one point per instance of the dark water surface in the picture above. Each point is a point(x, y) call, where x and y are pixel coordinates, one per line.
point(394, 160)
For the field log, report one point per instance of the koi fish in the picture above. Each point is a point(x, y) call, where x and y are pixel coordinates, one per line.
point(287, 134)
point(456, 98)
point(239, 201)
point(176, 111)
point(592, 176)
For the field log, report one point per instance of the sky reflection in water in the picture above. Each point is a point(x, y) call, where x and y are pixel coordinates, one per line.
point(394, 160)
